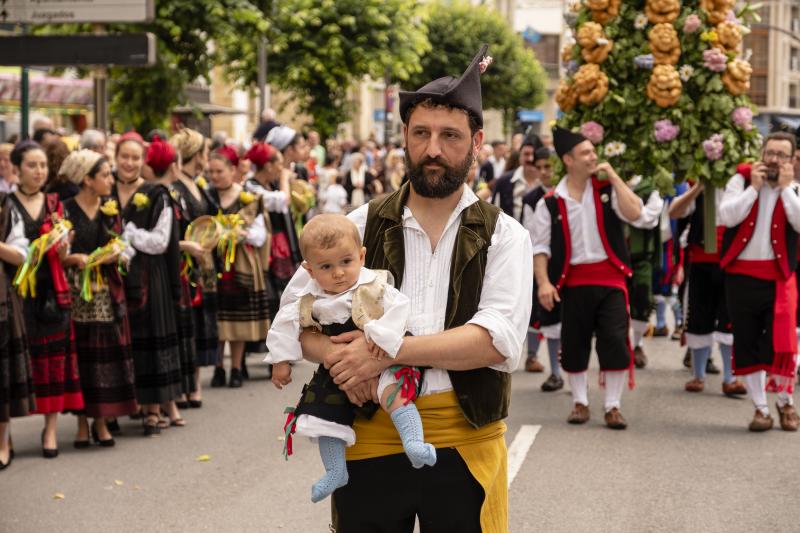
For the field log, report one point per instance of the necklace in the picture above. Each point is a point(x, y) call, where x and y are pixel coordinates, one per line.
point(134, 180)
point(28, 194)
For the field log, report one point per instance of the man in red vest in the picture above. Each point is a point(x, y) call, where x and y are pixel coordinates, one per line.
point(581, 259)
point(761, 211)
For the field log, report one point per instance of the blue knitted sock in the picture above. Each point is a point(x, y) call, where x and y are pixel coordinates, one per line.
point(332, 452)
point(661, 313)
point(727, 368)
point(553, 347)
point(533, 344)
point(700, 360)
point(409, 426)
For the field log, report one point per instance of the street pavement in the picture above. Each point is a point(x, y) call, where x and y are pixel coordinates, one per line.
point(685, 463)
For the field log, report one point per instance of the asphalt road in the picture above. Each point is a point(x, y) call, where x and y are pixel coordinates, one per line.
point(686, 463)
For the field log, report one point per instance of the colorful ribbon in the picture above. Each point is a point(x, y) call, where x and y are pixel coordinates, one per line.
point(25, 278)
point(288, 429)
point(95, 261)
point(231, 232)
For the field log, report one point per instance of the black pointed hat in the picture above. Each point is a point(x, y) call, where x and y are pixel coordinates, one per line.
point(463, 92)
point(565, 140)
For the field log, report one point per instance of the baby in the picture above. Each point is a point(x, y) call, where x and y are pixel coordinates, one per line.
point(343, 296)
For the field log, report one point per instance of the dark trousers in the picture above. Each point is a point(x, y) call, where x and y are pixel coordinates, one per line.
point(593, 310)
point(752, 304)
point(707, 311)
point(384, 495)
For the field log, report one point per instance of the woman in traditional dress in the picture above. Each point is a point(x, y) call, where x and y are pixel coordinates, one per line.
point(102, 332)
point(149, 287)
point(243, 313)
point(271, 181)
point(359, 182)
point(46, 299)
point(191, 187)
point(165, 163)
point(16, 380)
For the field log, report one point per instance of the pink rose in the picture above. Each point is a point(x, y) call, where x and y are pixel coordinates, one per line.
point(713, 147)
point(743, 117)
point(593, 131)
point(691, 24)
point(715, 60)
point(665, 130)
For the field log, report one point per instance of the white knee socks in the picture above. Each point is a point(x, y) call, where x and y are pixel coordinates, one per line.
point(756, 384)
point(580, 385)
point(615, 384)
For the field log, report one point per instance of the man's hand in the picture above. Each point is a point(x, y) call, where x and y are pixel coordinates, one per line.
point(376, 351)
point(366, 391)
point(757, 175)
point(785, 175)
point(352, 364)
point(281, 374)
point(606, 167)
point(548, 296)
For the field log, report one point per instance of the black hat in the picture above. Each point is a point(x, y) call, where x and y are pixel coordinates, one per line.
point(565, 140)
point(463, 92)
point(532, 140)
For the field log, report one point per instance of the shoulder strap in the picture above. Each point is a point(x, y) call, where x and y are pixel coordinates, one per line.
point(306, 319)
point(368, 299)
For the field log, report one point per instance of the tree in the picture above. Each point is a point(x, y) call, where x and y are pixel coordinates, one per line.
point(143, 97)
point(456, 31)
point(318, 49)
point(661, 88)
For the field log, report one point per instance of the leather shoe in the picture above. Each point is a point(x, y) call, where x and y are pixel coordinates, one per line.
point(533, 365)
point(615, 420)
point(789, 419)
point(695, 385)
point(236, 379)
point(761, 422)
point(711, 368)
point(553, 383)
point(661, 332)
point(639, 358)
point(734, 388)
point(687, 358)
point(579, 414)
point(677, 334)
point(219, 377)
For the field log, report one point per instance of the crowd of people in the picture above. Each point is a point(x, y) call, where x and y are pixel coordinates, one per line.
point(130, 261)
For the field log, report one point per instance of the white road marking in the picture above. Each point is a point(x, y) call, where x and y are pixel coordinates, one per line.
point(519, 449)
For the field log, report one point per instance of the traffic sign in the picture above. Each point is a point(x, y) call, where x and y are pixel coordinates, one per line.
point(131, 49)
point(75, 11)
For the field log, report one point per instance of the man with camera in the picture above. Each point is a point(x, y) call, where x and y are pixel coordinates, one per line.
point(760, 209)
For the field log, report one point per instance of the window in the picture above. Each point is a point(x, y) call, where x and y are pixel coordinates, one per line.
point(794, 96)
point(794, 59)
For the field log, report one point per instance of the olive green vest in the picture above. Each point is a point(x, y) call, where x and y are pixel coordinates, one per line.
point(483, 393)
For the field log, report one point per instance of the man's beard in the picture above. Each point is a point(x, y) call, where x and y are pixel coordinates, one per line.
point(437, 183)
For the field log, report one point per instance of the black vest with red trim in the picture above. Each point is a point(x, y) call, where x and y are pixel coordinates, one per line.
point(532, 198)
point(697, 222)
point(783, 236)
point(609, 226)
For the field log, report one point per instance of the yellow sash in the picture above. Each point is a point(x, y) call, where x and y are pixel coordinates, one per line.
point(483, 450)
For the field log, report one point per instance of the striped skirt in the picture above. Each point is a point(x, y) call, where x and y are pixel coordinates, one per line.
point(243, 313)
point(16, 378)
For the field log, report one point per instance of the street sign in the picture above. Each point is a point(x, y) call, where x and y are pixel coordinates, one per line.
point(530, 115)
point(130, 49)
point(75, 11)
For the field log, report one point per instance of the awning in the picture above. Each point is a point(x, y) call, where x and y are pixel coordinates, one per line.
point(67, 95)
point(207, 109)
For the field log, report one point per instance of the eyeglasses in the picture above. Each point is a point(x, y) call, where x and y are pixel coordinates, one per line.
point(780, 156)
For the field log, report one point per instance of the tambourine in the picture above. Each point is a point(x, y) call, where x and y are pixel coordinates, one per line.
point(205, 231)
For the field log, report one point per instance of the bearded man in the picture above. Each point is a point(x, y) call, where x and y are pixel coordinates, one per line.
point(466, 267)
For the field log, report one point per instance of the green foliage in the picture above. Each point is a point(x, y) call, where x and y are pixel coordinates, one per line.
point(515, 79)
point(143, 97)
point(318, 49)
point(628, 115)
